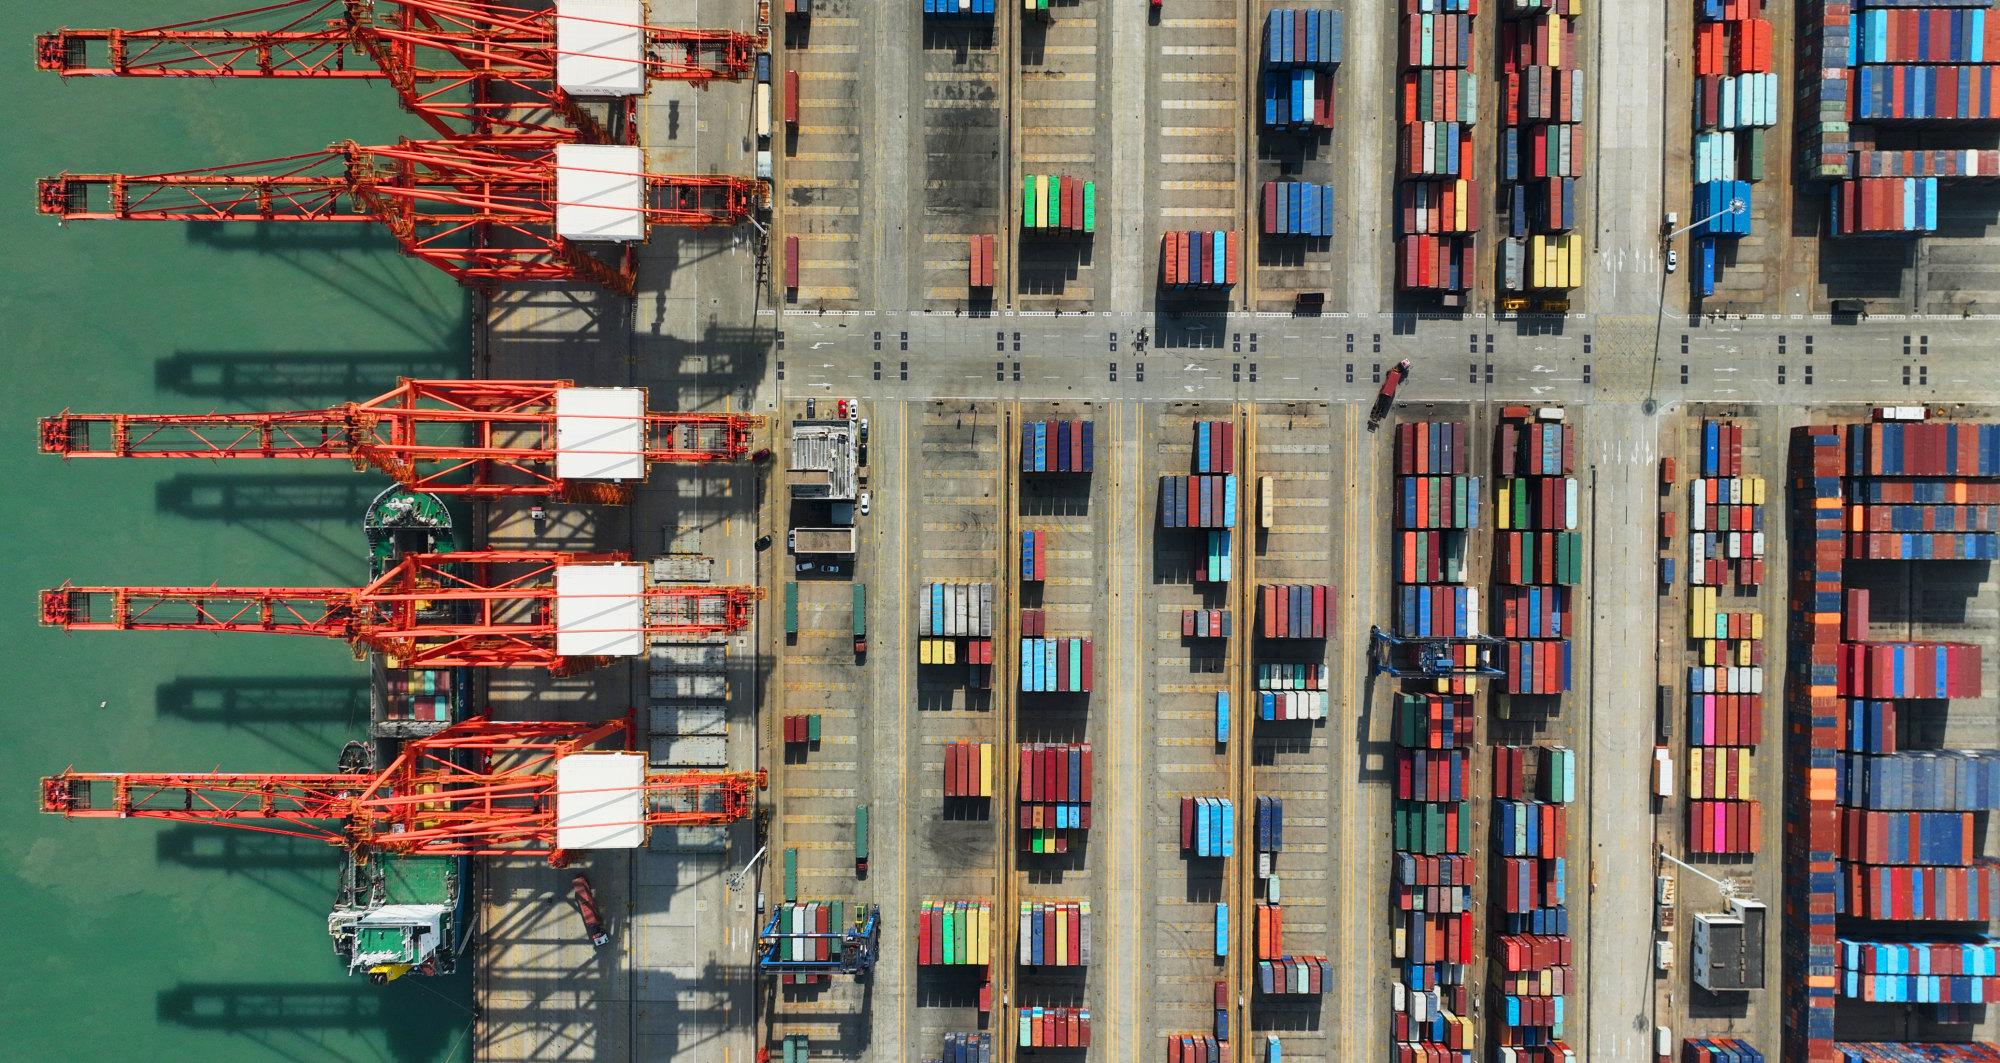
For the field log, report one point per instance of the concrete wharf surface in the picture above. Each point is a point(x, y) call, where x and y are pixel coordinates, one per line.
point(913, 137)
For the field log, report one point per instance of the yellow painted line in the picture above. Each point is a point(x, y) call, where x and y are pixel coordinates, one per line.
point(963, 105)
point(828, 75)
point(1059, 131)
point(1069, 49)
point(1198, 49)
point(960, 264)
point(1181, 77)
point(1198, 186)
point(1198, 23)
point(820, 182)
point(828, 263)
point(1197, 105)
point(1195, 131)
point(903, 670)
point(1085, 158)
point(958, 75)
point(1073, 23)
point(1059, 105)
point(1197, 212)
point(831, 49)
point(824, 212)
point(1042, 77)
point(807, 238)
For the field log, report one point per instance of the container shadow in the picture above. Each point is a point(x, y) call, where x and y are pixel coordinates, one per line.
point(314, 379)
point(422, 1017)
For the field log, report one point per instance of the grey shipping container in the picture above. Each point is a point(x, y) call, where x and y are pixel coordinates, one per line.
point(687, 657)
point(693, 686)
point(689, 720)
point(702, 751)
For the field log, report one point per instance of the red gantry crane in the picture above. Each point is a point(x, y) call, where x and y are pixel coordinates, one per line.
point(566, 612)
point(471, 438)
point(477, 788)
point(466, 67)
point(498, 211)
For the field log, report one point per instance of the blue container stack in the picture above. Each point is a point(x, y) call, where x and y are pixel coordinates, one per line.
point(1301, 48)
point(958, 8)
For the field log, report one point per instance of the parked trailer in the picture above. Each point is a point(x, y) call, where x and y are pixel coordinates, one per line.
point(860, 839)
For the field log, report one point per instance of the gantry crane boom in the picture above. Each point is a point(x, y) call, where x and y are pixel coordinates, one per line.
point(472, 438)
point(487, 212)
point(466, 67)
point(491, 608)
point(478, 788)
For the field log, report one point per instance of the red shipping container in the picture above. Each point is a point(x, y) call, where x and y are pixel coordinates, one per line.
point(791, 262)
point(791, 98)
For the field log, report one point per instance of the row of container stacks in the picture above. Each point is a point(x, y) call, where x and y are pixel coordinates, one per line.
point(978, 267)
point(1920, 972)
point(1534, 612)
point(1430, 556)
point(1437, 149)
point(1216, 562)
point(1939, 546)
point(1885, 206)
point(1302, 37)
point(1928, 492)
point(1297, 99)
point(1425, 448)
point(1534, 448)
point(1432, 774)
point(1297, 208)
point(1909, 670)
point(1291, 675)
point(1931, 449)
point(1719, 557)
point(1725, 679)
point(1270, 931)
point(800, 926)
point(1530, 829)
point(1537, 503)
point(1294, 976)
point(1729, 827)
point(1058, 203)
point(1443, 1034)
point(1198, 501)
point(1934, 163)
point(1053, 1028)
point(1923, 93)
point(1295, 610)
point(956, 610)
point(1543, 262)
point(801, 728)
point(1431, 828)
point(970, 651)
point(1437, 40)
point(1214, 446)
point(968, 769)
point(1206, 624)
point(1542, 207)
point(1433, 721)
point(1822, 123)
point(1719, 1050)
point(1291, 705)
point(954, 933)
point(798, 8)
point(1720, 773)
point(1196, 1048)
point(1716, 209)
point(1055, 786)
point(1911, 519)
point(1058, 446)
point(1901, 838)
point(1208, 826)
point(1552, 779)
point(965, 1048)
point(1908, 894)
point(1435, 263)
point(1058, 665)
point(1425, 502)
point(1538, 557)
point(1200, 259)
point(1870, 727)
point(1725, 719)
point(1541, 667)
point(1725, 45)
point(1541, 149)
point(1034, 557)
point(1055, 933)
point(1813, 709)
point(1925, 35)
point(1440, 96)
point(1548, 94)
point(958, 8)
point(1949, 779)
point(1437, 612)
point(1725, 155)
point(1441, 206)
point(1746, 101)
point(1895, 1052)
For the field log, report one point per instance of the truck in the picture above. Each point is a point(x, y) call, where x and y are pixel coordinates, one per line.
point(792, 608)
point(861, 620)
point(861, 839)
point(1387, 396)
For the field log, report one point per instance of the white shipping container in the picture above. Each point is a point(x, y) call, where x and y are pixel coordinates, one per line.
point(1569, 506)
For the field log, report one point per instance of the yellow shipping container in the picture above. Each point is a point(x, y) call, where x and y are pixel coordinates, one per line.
point(986, 769)
point(1506, 506)
point(1042, 201)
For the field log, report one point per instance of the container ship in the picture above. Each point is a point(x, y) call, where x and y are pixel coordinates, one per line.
point(393, 914)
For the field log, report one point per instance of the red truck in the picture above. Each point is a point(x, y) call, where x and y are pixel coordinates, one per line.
point(1387, 397)
point(586, 906)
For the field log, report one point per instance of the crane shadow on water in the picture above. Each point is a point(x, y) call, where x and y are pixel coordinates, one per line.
point(302, 872)
point(312, 379)
point(287, 510)
point(307, 718)
point(418, 1018)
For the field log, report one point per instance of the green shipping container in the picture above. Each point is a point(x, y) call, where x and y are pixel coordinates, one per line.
point(812, 727)
point(1028, 202)
point(1089, 199)
point(791, 876)
point(1755, 163)
point(791, 608)
point(860, 609)
point(860, 837)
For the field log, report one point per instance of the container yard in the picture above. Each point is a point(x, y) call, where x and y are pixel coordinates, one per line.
point(1263, 684)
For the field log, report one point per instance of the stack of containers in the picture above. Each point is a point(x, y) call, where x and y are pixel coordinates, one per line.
point(967, 1048)
point(1301, 49)
point(801, 728)
point(1297, 208)
point(1541, 151)
point(1055, 934)
point(1053, 1028)
point(1900, 822)
point(1531, 970)
point(1270, 834)
point(1058, 446)
point(979, 263)
point(1206, 624)
point(1034, 556)
point(1957, 163)
point(1214, 447)
point(1295, 976)
point(1055, 665)
point(955, 933)
point(1433, 721)
point(1294, 611)
point(1197, 501)
point(1199, 260)
point(799, 925)
point(1910, 93)
point(1208, 826)
point(1291, 690)
point(1896, 1052)
point(792, 263)
point(1719, 1050)
point(1913, 520)
point(1058, 204)
point(1196, 1048)
point(968, 769)
point(1438, 203)
point(958, 8)
point(1537, 547)
point(955, 625)
point(1736, 95)
point(1726, 682)
point(1432, 885)
point(1438, 503)
point(1054, 794)
point(1823, 142)
point(1885, 206)
point(1725, 515)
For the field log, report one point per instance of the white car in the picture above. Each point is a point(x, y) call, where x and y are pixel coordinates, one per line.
point(1673, 260)
point(864, 503)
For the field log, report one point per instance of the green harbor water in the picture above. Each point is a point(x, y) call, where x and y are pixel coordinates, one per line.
point(141, 940)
